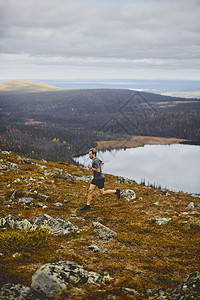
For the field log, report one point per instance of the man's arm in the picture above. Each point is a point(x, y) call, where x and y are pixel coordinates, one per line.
point(94, 169)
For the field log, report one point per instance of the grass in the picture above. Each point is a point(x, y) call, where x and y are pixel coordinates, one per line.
point(142, 255)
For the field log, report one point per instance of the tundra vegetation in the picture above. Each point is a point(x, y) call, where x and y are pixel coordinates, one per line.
point(155, 244)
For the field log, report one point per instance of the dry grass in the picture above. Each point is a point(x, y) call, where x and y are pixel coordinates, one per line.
point(142, 255)
point(136, 141)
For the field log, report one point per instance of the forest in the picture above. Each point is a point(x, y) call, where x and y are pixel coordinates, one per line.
point(57, 125)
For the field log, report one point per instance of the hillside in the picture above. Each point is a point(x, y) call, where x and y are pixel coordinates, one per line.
point(138, 249)
point(20, 86)
point(56, 125)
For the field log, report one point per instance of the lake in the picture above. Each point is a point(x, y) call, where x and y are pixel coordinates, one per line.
point(174, 167)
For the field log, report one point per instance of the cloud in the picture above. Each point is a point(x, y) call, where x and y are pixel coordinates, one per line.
point(102, 34)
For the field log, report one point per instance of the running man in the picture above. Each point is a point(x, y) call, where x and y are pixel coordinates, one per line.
point(98, 179)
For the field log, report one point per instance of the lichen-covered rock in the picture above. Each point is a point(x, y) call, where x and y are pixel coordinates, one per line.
point(15, 292)
point(191, 206)
point(94, 248)
point(15, 222)
point(125, 180)
point(192, 283)
point(161, 221)
point(128, 195)
point(51, 279)
point(56, 226)
point(104, 231)
point(84, 178)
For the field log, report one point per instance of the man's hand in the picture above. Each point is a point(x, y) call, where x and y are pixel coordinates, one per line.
point(89, 167)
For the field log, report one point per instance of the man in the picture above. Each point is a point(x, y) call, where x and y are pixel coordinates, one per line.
point(98, 179)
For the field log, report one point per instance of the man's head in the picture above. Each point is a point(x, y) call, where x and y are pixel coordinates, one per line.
point(92, 153)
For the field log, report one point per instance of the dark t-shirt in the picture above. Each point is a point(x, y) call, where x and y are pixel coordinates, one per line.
point(96, 163)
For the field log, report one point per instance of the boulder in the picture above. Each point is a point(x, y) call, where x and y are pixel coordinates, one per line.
point(15, 222)
point(125, 180)
point(191, 206)
point(161, 221)
point(104, 231)
point(51, 279)
point(55, 226)
point(94, 248)
point(15, 292)
point(128, 195)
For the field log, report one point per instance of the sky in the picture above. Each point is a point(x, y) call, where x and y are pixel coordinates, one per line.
point(69, 39)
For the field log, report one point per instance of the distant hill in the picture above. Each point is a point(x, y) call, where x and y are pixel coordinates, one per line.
point(27, 87)
point(57, 124)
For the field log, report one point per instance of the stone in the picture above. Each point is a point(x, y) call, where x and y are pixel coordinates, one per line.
point(192, 283)
point(84, 178)
point(128, 195)
point(15, 222)
point(58, 204)
point(191, 206)
point(51, 279)
point(27, 200)
point(17, 254)
point(125, 180)
point(15, 292)
point(94, 248)
point(104, 231)
point(55, 226)
point(162, 221)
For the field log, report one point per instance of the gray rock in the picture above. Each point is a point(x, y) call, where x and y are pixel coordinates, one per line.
point(27, 200)
point(162, 221)
point(129, 291)
point(17, 254)
point(84, 178)
point(55, 226)
point(51, 279)
point(58, 204)
point(191, 206)
point(15, 222)
point(94, 248)
point(15, 292)
point(104, 231)
point(125, 180)
point(128, 195)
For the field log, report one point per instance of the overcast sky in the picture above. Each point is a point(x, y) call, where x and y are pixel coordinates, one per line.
point(63, 39)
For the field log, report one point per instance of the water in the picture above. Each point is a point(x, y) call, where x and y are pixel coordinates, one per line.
point(153, 86)
point(175, 167)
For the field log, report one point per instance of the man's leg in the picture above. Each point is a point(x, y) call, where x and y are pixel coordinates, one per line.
point(90, 192)
point(107, 192)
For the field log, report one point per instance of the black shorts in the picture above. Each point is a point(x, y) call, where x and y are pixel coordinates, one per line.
point(99, 182)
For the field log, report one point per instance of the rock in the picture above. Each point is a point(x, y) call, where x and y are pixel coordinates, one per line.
point(15, 222)
point(17, 254)
point(162, 221)
point(15, 292)
point(84, 178)
point(29, 161)
point(157, 203)
point(125, 180)
point(191, 206)
point(27, 200)
point(129, 291)
point(94, 248)
point(51, 279)
point(104, 231)
point(192, 283)
point(58, 204)
point(128, 195)
point(55, 226)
